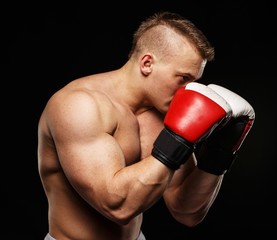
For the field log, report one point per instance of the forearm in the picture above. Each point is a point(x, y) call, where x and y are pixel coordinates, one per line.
point(190, 200)
point(135, 188)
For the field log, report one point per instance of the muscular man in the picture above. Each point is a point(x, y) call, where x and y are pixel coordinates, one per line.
point(108, 148)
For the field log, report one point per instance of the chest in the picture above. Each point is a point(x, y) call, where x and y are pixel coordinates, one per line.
point(136, 135)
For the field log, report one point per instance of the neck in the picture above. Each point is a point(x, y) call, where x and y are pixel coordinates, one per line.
point(130, 90)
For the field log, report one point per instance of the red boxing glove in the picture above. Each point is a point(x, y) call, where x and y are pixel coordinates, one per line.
point(220, 150)
point(195, 111)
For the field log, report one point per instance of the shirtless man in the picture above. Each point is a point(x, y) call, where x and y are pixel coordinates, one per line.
point(97, 162)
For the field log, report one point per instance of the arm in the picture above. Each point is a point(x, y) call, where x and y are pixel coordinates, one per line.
point(194, 113)
point(193, 191)
point(87, 135)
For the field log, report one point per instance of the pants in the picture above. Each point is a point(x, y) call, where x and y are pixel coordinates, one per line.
point(140, 237)
point(48, 237)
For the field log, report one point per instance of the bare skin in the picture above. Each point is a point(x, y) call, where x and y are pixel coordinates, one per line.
point(95, 140)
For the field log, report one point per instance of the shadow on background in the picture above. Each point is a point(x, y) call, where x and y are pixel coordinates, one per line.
point(45, 46)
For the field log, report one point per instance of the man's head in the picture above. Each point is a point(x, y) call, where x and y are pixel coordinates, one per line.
point(170, 52)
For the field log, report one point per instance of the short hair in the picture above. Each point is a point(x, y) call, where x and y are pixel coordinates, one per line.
point(178, 24)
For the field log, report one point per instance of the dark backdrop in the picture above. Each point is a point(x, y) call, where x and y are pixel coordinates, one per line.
point(46, 45)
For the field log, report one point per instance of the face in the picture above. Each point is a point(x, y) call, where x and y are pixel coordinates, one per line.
point(186, 66)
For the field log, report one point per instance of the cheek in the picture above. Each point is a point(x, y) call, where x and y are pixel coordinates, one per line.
point(166, 84)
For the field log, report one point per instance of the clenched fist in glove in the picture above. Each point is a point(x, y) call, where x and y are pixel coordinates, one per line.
point(195, 111)
point(217, 153)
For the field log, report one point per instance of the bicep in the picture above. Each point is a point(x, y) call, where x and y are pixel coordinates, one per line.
point(90, 165)
point(82, 129)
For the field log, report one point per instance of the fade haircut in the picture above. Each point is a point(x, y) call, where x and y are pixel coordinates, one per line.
point(150, 34)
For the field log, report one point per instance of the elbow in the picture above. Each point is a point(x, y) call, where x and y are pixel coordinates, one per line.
point(115, 209)
point(120, 216)
point(119, 212)
point(191, 219)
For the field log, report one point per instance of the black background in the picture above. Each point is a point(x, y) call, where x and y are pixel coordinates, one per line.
point(46, 45)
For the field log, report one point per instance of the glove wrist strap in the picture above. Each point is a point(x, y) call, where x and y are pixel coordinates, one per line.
point(171, 149)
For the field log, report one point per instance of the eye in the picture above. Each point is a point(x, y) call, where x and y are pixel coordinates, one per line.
point(184, 79)
point(187, 78)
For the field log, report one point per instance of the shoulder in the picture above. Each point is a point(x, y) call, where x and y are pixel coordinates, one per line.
point(80, 108)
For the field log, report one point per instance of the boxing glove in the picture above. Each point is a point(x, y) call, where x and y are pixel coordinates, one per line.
point(194, 112)
point(217, 153)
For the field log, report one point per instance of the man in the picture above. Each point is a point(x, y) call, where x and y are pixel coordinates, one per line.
point(108, 148)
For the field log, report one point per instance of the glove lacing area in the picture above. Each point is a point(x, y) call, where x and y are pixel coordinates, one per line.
point(217, 154)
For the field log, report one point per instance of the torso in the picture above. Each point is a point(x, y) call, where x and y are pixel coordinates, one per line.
point(65, 204)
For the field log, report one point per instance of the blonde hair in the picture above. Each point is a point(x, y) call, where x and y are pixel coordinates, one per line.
point(152, 34)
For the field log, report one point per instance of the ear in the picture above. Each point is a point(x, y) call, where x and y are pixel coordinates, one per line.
point(146, 64)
